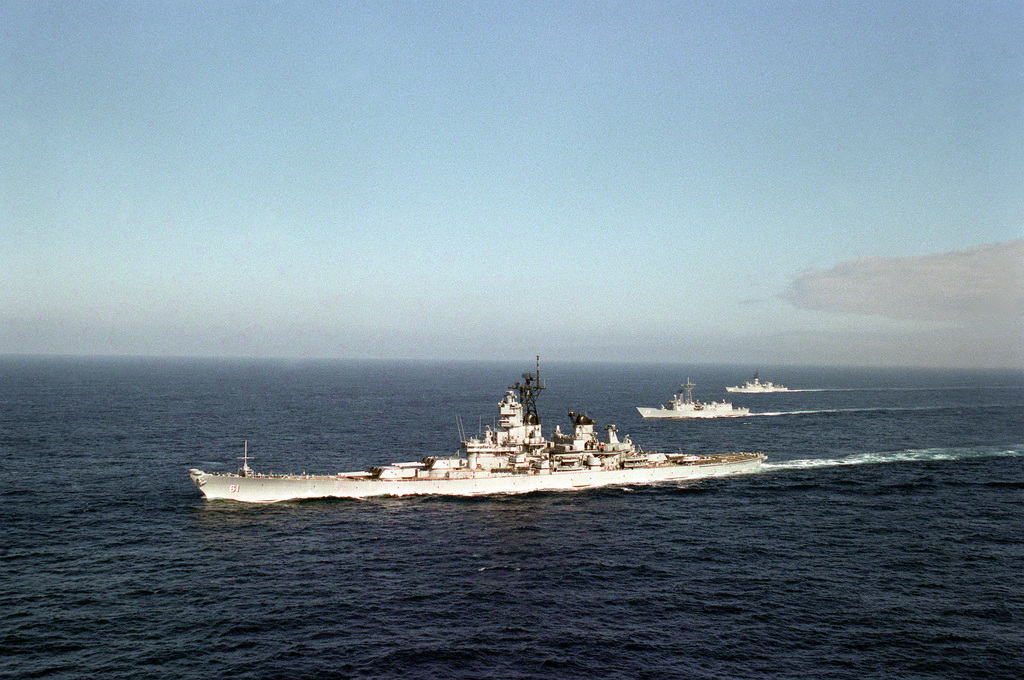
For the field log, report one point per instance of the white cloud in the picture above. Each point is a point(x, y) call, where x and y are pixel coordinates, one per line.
point(982, 285)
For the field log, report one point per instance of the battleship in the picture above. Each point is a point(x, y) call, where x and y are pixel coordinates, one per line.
point(513, 457)
point(686, 407)
point(755, 386)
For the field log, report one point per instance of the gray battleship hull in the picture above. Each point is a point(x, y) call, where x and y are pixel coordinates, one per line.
point(275, 488)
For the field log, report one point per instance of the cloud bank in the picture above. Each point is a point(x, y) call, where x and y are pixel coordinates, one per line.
point(982, 285)
point(962, 308)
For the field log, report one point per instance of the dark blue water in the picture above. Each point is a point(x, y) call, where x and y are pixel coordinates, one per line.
point(885, 539)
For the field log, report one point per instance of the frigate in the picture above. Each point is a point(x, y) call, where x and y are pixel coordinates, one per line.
point(755, 386)
point(513, 457)
point(681, 406)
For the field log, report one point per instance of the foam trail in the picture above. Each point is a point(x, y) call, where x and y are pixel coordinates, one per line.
point(903, 389)
point(859, 410)
point(908, 455)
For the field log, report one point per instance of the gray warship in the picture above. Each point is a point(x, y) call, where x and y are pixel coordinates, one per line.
point(513, 457)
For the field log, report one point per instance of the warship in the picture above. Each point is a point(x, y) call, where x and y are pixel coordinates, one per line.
point(686, 407)
point(513, 457)
point(755, 386)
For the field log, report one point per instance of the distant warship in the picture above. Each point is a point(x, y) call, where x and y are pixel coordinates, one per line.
point(686, 407)
point(512, 458)
point(755, 386)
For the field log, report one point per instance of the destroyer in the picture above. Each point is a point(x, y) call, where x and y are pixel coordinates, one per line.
point(686, 407)
point(512, 458)
point(755, 386)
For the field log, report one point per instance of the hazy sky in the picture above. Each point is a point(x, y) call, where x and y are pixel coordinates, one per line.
point(743, 182)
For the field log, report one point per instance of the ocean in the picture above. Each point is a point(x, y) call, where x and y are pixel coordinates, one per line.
point(884, 537)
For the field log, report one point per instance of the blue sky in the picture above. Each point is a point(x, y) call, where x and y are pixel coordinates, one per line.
point(755, 183)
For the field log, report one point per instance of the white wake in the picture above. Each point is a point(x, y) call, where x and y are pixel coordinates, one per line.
point(910, 455)
point(863, 409)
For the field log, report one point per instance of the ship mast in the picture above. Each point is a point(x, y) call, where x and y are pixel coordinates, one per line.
point(528, 390)
point(689, 391)
point(245, 471)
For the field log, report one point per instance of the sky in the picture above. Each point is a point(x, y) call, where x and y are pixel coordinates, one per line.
point(754, 183)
